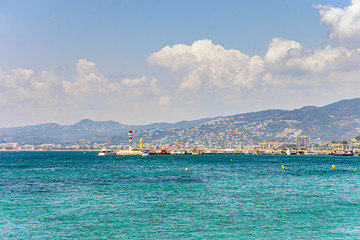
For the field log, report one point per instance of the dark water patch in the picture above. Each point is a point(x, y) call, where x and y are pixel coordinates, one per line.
point(149, 179)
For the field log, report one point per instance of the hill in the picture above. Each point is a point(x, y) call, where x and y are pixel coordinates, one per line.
point(336, 121)
point(85, 131)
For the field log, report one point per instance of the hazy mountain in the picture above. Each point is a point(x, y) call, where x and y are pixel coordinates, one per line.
point(84, 131)
point(337, 121)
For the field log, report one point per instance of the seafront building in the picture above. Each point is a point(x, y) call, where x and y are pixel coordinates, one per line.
point(302, 142)
point(301, 146)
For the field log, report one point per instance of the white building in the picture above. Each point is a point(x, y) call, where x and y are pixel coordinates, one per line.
point(302, 142)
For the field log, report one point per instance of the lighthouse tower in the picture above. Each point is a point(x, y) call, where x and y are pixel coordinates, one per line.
point(130, 140)
point(141, 145)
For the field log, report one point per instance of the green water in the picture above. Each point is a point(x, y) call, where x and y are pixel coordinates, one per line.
point(67, 195)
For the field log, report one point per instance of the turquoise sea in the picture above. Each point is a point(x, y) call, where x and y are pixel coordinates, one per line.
point(78, 195)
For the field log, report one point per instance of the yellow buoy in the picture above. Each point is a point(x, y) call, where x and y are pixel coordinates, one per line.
point(263, 171)
point(333, 166)
point(282, 167)
point(186, 169)
point(355, 170)
point(230, 159)
point(113, 161)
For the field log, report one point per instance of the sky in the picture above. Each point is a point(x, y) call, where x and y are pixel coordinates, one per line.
point(146, 61)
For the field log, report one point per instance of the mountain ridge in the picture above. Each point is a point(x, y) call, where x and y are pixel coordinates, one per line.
point(335, 121)
point(86, 130)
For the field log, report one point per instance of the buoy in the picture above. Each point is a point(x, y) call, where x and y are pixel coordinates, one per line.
point(355, 170)
point(230, 159)
point(333, 166)
point(282, 167)
point(113, 161)
point(263, 171)
point(186, 169)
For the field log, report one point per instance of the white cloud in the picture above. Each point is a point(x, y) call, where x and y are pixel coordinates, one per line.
point(89, 89)
point(165, 100)
point(280, 49)
point(89, 81)
point(344, 22)
point(142, 82)
point(289, 57)
point(217, 74)
point(23, 85)
point(30, 97)
point(204, 64)
point(329, 59)
point(135, 87)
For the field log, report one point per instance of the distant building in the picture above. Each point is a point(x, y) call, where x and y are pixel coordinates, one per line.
point(302, 142)
point(9, 145)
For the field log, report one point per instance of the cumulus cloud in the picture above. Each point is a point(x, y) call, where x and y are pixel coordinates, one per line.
point(138, 82)
point(280, 49)
point(89, 81)
point(204, 64)
point(140, 86)
point(290, 57)
point(24, 86)
point(344, 22)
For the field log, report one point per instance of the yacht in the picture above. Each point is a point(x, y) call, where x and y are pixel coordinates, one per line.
point(290, 152)
point(105, 152)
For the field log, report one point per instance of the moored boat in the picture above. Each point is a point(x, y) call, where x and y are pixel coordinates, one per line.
point(290, 152)
point(106, 152)
point(159, 152)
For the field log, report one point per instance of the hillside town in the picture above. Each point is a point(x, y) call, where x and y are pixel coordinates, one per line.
point(330, 129)
point(302, 146)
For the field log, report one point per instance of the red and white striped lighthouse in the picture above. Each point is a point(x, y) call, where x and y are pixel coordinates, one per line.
point(130, 140)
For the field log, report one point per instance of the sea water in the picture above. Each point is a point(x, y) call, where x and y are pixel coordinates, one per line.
point(78, 195)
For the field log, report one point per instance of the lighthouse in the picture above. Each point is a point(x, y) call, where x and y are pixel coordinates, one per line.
point(141, 145)
point(130, 140)
point(130, 151)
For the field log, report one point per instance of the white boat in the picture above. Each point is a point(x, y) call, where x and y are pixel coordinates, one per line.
point(145, 154)
point(129, 152)
point(105, 152)
point(290, 152)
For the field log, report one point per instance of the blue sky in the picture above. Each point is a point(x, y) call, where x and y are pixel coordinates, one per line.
point(62, 61)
